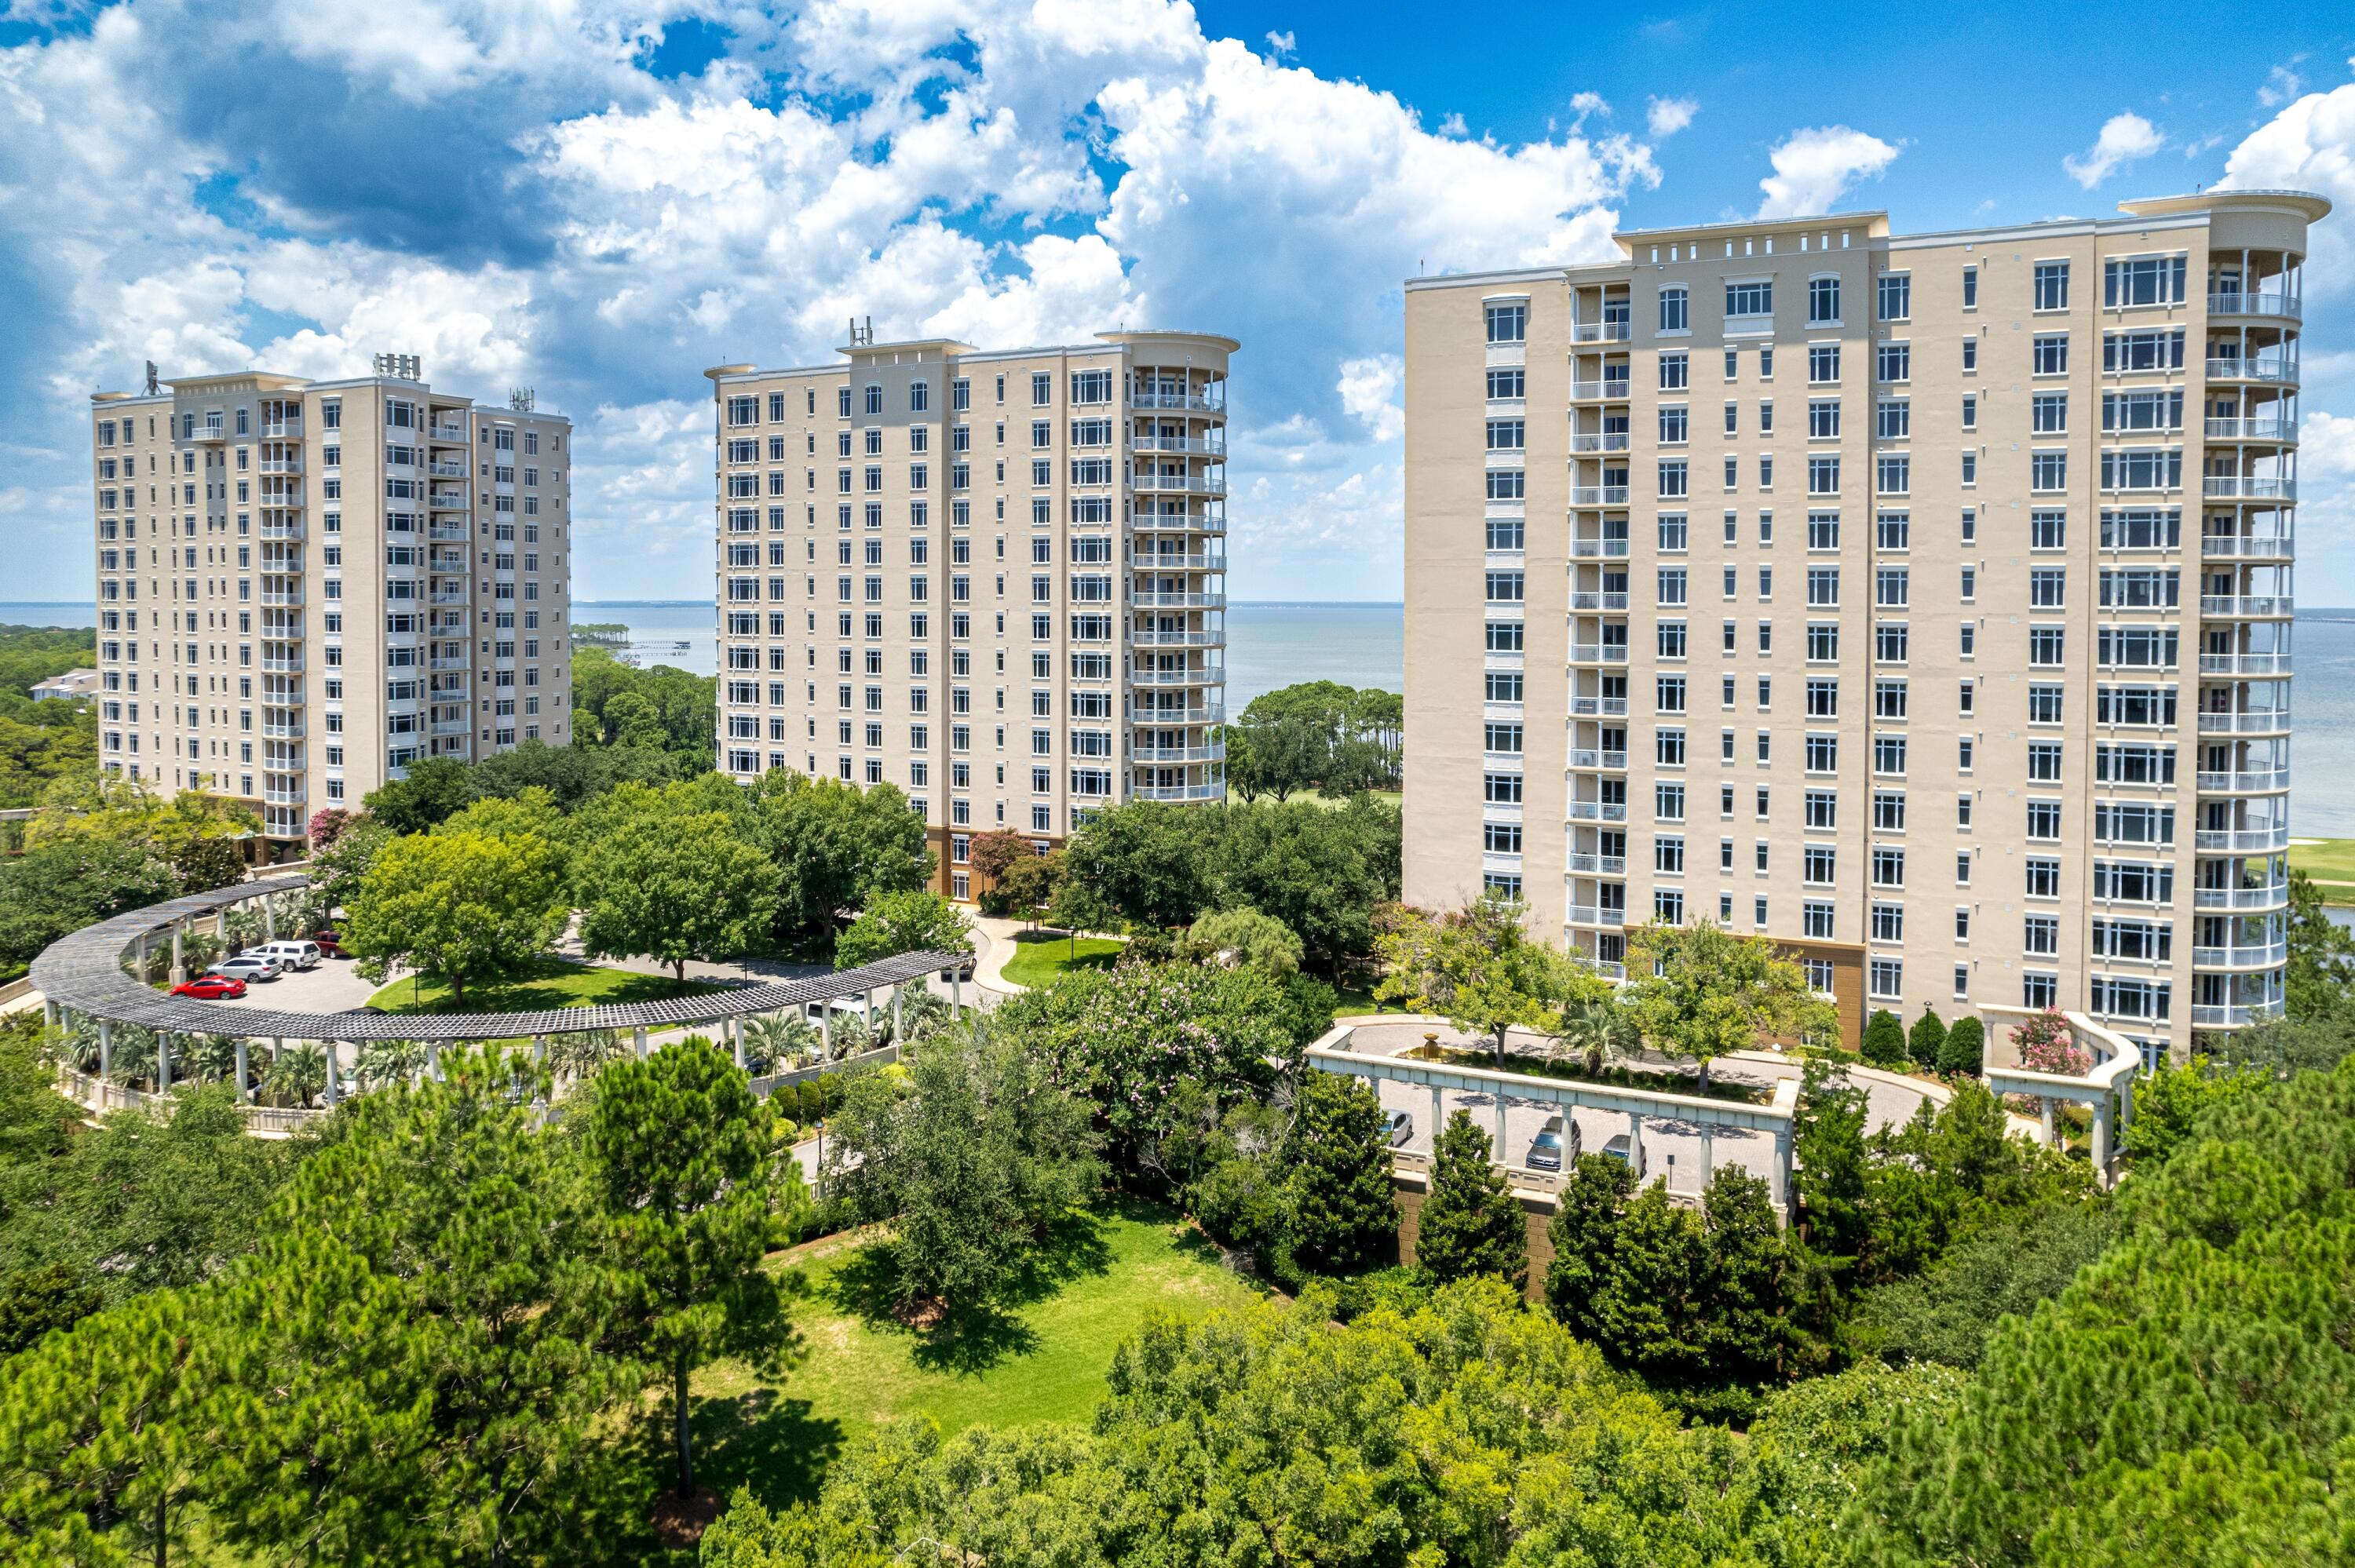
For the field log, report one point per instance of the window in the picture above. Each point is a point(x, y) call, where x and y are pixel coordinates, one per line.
point(2047, 530)
point(1505, 532)
point(2045, 646)
point(1503, 739)
point(2049, 354)
point(1505, 587)
point(1674, 310)
point(1892, 362)
point(1823, 475)
point(1675, 372)
point(1819, 864)
point(2047, 587)
point(1894, 296)
point(1888, 866)
point(1507, 385)
point(1748, 300)
point(1506, 435)
point(1894, 474)
point(2044, 820)
point(1673, 479)
point(1889, 922)
point(2049, 470)
point(1823, 301)
point(1504, 484)
point(2143, 468)
point(2051, 286)
point(1508, 324)
point(1892, 530)
point(2143, 280)
point(1672, 533)
point(1672, 425)
point(2131, 351)
point(1823, 364)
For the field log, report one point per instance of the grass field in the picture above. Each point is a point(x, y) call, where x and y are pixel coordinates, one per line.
point(552, 984)
point(2325, 860)
point(1039, 1356)
point(1388, 797)
point(1040, 956)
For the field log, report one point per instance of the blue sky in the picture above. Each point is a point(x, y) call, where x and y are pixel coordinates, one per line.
point(600, 198)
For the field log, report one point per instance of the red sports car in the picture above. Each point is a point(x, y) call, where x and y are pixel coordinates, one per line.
point(210, 988)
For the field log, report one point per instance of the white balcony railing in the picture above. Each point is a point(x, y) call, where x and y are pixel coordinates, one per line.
point(2248, 547)
point(2261, 722)
point(1597, 866)
point(1598, 707)
point(2272, 895)
point(2271, 429)
point(1598, 810)
point(2254, 368)
point(1606, 441)
point(2264, 782)
point(2287, 307)
point(2234, 487)
point(2234, 1017)
point(2240, 840)
point(2253, 664)
point(2223, 604)
point(1179, 791)
point(1599, 332)
point(1596, 915)
point(2263, 956)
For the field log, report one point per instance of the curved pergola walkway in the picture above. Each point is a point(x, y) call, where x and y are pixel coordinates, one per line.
point(82, 975)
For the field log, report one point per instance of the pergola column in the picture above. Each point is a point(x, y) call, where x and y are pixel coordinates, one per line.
point(105, 1047)
point(1779, 1171)
point(736, 1031)
point(163, 1061)
point(49, 1009)
point(179, 969)
point(898, 1034)
point(1500, 1129)
point(538, 1048)
point(2102, 1141)
point(826, 1031)
point(244, 1089)
point(330, 1044)
point(1636, 1143)
point(638, 1041)
point(956, 995)
point(1707, 1153)
point(433, 1060)
point(1439, 1118)
point(269, 922)
point(2045, 1108)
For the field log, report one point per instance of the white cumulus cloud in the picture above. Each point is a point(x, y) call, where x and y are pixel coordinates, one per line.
point(1667, 116)
point(2308, 146)
point(1813, 168)
point(1370, 388)
point(2125, 138)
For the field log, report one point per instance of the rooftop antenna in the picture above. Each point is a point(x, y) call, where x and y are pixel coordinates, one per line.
point(860, 336)
point(399, 367)
point(519, 398)
point(151, 388)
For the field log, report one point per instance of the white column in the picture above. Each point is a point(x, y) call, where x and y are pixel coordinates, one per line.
point(1779, 1172)
point(898, 1036)
point(330, 1047)
point(1636, 1143)
point(539, 1048)
point(2044, 1108)
point(1708, 1154)
point(433, 1060)
point(244, 1090)
point(1439, 1117)
point(736, 1029)
point(956, 995)
point(49, 1010)
point(179, 971)
point(1501, 1159)
point(2102, 1141)
point(638, 1041)
point(105, 1046)
point(163, 1061)
point(826, 1031)
point(269, 922)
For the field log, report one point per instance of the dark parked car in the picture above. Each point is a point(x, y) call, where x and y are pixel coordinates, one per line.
point(1546, 1150)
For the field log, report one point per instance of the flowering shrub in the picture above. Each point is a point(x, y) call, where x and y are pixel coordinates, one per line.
point(2045, 1046)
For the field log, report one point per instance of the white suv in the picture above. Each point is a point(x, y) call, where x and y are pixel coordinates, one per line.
point(291, 955)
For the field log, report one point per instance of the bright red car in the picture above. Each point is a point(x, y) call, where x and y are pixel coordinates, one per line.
point(210, 988)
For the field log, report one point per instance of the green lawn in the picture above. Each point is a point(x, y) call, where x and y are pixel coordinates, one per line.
point(553, 983)
point(1040, 956)
point(1041, 1356)
point(1388, 797)
point(2327, 861)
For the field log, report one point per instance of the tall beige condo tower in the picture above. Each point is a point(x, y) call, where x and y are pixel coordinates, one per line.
point(305, 586)
point(1922, 602)
point(996, 580)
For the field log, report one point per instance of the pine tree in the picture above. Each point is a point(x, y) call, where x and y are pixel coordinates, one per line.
point(1344, 1213)
point(1884, 1040)
point(1470, 1223)
point(1927, 1039)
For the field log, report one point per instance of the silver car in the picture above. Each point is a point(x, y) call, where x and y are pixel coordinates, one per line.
point(1398, 1128)
point(247, 966)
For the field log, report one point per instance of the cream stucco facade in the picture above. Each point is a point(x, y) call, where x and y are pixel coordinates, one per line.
point(1920, 602)
point(993, 579)
point(305, 586)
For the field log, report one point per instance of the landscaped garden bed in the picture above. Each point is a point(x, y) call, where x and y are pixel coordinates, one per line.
point(1663, 1081)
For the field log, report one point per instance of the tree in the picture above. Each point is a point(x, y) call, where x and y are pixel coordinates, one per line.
point(2047, 1044)
point(1344, 1211)
point(296, 1075)
point(1243, 937)
point(55, 889)
point(972, 1156)
point(1965, 1047)
point(907, 922)
point(1032, 883)
point(683, 1160)
point(1700, 991)
point(337, 871)
point(992, 853)
point(1926, 1040)
point(2319, 978)
point(1477, 968)
point(674, 885)
point(2169, 1101)
point(1149, 861)
point(435, 788)
point(1318, 870)
point(838, 848)
point(1595, 1026)
point(1828, 1145)
point(326, 825)
point(1470, 1223)
point(1884, 1040)
point(462, 908)
point(1945, 1313)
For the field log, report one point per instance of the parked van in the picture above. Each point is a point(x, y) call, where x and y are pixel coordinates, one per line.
point(290, 955)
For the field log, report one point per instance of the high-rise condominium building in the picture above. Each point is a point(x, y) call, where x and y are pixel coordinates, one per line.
point(994, 579)
point(1921, 602)
point(305, 586)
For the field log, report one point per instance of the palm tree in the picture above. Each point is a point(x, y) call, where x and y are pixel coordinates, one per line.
point(212, 1056)
point(298, 1075)
point(580, 1056)
point(384, 1063)
point(1598, 1027)
point(775, 1039)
